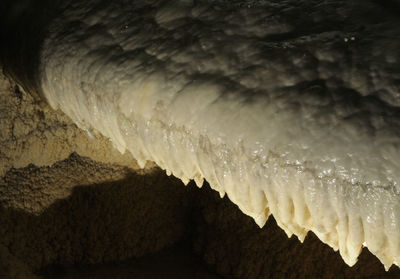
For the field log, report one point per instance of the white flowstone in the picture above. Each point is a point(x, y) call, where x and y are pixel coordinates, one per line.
point(282, 127)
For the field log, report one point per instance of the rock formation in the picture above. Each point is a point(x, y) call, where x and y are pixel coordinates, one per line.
point(289, 109)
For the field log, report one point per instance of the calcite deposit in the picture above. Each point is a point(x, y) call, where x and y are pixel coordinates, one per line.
point(294, 116)
point(288, 108)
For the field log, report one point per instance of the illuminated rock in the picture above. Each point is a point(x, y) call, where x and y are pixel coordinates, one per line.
point(290, 110)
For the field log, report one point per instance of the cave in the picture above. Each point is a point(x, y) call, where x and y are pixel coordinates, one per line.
point(199, 139)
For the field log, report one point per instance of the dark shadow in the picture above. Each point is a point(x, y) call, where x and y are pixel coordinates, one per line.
point(152, 226)
point(237, 248)
point(177, 262)
point(23, 28)
point(107, 222)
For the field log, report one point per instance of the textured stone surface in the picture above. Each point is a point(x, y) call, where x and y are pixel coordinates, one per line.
point(290, 108)
point(101, 222)
point(326, 51)
point(32, 133)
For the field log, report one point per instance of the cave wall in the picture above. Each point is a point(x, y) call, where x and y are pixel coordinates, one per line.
point(67, 198)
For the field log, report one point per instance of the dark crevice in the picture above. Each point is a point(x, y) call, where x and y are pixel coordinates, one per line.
point(23, 27)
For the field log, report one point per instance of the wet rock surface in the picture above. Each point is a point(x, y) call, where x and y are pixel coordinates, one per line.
point(237, 248)
point(70, 200)
point(290, 108)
